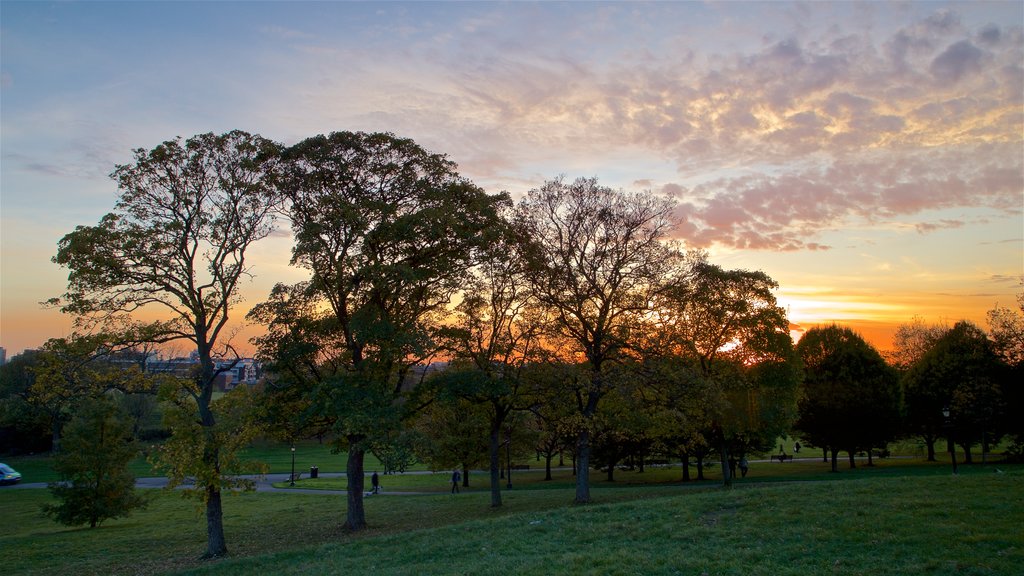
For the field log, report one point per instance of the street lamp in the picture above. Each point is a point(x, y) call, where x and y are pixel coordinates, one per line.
point(293, 467)
point(950, 445)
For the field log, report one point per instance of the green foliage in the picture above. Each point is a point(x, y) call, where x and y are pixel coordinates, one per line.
point(453, 435)
point(388, 232)
point(208, 456)
point(851, 397)
point(24, 426)
point(176, 242)
point(95, 483)
point(963, 373)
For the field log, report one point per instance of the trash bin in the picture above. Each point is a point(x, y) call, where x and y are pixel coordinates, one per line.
point(314, 472)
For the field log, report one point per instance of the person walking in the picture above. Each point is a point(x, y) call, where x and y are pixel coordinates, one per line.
point(744, 466)
point(375, 482)
point(456, 478)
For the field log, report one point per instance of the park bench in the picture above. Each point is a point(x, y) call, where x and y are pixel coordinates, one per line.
point(781, 457)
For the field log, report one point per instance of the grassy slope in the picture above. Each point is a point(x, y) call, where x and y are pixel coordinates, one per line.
point(920, 522)
point(902, 525)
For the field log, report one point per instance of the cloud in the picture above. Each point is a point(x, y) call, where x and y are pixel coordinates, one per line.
point(960, 59)
point(926, 227)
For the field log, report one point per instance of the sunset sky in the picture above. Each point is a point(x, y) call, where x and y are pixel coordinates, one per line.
point(867, 156)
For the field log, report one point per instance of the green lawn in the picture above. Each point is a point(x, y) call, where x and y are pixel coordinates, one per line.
point(894, 519)
point(901, 525)
point(533, 479)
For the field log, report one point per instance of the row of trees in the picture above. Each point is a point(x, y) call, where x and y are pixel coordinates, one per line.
point(571, 306)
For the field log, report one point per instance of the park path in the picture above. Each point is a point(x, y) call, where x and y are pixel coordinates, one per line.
point(264, 483)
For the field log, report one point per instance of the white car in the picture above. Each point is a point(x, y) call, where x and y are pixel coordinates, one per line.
point(9, 475)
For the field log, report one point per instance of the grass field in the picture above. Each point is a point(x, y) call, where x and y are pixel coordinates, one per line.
point(903, 517)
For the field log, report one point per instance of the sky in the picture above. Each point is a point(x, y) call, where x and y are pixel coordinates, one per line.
point(868, 156)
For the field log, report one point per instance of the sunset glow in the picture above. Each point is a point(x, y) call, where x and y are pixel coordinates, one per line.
point(867, 156)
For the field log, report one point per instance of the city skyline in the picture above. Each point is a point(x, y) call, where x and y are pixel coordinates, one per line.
point(867, 156)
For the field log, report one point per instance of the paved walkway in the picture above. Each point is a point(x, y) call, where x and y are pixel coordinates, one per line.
point(264, 483)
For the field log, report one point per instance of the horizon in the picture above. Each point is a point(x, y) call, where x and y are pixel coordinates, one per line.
point(869, 157)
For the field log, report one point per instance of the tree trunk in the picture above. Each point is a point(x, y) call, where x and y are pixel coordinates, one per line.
point(870, 461)
point(700, 468)
point(495, 453)
point(216, 545)
point(685, 457)
point(968, 456)
point(929, 443)
point(726, 472)
point(583, 465)
point(465, 476)
point(824, 455)
point(356, 516)
point(611, 469)
point(835, 459)
point(547, 467)
point(853, 463)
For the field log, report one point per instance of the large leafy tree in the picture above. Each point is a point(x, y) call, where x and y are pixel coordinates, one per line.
point(493, 333)
point(851, 397)
point(1006, 329)
point(388, 232)
point(596, 259)
point(963, 373)
point(727, 322)
point(912, 341)
point(24, 427)
point(74, 368)
point(95, 483)
point(175, 246)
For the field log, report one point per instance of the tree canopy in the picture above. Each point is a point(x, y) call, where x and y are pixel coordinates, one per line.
point(176, 242)
point(596, 259)
point(851, 398)
point(388, 232)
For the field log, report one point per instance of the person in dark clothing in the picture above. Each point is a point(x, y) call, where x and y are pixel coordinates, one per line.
point(744, 466)
point(456, 478)
point(375, 482)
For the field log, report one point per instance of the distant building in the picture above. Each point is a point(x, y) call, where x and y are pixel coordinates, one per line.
point(232, 372)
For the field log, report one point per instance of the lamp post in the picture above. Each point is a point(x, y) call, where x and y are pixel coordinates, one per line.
point(950, 445)
point(293, 467)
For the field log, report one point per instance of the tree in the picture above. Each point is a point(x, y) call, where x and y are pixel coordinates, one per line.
point(24, 427)
point(596, 259)
point(95, 483)
point(176, 245)
point(851, 398)
point(963, 373)
point(1007, 331)
point(494, 332)
point(388, 232)
point(912, 341)
point(727, 322)
point(1006, 328)
point(74, 368)
point(453, 434)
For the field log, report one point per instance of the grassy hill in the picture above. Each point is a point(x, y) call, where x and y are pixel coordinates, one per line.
point(863, 523)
